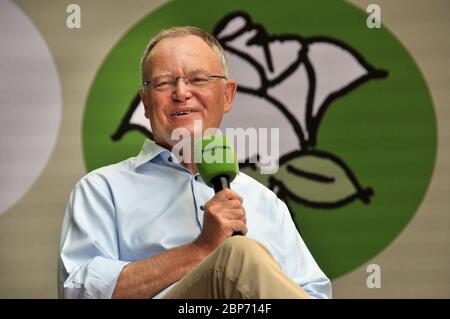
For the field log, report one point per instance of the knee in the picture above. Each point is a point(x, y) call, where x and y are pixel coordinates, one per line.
point(243, 245)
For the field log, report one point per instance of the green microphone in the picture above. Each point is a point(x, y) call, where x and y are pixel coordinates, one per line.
point(216, 162)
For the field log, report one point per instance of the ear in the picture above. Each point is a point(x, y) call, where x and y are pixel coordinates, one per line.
point(144, 100)
point(230, 92)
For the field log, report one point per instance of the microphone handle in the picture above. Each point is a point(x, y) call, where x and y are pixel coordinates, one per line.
point(220, 182)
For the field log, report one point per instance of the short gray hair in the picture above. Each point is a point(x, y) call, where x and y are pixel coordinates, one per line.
point(176, 32)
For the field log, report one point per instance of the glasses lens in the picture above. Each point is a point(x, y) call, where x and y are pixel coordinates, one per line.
point(198, 80)
point(163, 83)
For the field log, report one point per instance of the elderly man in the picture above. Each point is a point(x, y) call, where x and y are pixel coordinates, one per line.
point(149, 227)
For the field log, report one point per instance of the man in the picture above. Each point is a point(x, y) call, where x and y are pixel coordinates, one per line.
point(149, 227)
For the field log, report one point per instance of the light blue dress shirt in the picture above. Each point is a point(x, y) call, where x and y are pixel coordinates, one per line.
point(148, 204)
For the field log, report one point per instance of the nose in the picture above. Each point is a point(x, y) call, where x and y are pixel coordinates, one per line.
point(182, 90)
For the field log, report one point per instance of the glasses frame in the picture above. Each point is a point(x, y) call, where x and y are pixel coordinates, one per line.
point(186, 81)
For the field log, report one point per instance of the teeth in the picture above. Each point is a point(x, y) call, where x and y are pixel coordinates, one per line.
point(182, 113)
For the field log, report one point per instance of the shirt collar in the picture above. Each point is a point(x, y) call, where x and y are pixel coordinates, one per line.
point(149, 151)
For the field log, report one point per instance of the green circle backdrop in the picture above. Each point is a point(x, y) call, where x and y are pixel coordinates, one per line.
point(385, 129)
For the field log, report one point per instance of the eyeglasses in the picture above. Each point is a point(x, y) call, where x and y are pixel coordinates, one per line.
point(166, 82)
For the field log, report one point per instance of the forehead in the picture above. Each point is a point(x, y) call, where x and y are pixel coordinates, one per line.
point(182, 54)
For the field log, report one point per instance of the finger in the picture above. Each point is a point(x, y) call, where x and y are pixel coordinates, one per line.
point(238, 226)
point(228, 194)
point(216, 204)
point(234, 214)
point(230, 204)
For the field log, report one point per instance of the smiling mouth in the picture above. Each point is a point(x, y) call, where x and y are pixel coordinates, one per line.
point(181, 113)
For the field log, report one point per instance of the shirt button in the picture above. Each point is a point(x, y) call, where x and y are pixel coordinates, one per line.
point(170, 159)
point(196, 177)
point(202, 208)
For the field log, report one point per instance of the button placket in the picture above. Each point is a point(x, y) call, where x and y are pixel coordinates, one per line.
point(198, 200)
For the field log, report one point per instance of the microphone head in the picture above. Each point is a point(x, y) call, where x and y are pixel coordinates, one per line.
point(215, 156)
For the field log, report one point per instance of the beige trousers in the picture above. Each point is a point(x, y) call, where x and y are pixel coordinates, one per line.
point(240, 268)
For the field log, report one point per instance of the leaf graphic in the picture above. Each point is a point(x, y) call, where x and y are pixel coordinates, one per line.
point(336, 70)
point(299, 77)
point(317, 179)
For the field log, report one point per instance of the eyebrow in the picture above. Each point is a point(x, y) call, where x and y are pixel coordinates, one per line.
point(192, 72)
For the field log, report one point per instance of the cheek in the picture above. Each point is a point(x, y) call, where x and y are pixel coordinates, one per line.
point(214, 100)
point(154, 109)
point(157, 116)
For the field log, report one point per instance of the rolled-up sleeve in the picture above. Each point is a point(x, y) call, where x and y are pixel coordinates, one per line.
point(89, 263)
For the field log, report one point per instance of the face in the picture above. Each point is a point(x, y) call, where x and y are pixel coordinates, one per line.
point(179, 106)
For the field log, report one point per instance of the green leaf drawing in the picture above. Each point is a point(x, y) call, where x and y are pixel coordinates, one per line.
point(317, 179)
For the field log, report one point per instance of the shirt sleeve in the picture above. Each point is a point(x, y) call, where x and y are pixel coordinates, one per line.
point(297, 261)
point(89, 264)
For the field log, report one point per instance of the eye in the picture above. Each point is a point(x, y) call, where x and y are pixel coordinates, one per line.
point(162, 84)
point(198, 80)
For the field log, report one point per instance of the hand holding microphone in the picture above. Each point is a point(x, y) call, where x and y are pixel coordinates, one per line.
point(224, 214)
